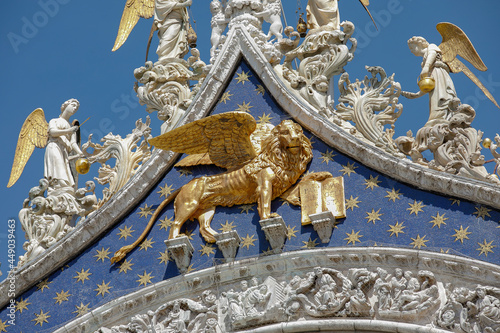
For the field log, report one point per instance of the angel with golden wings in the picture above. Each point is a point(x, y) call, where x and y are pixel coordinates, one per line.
point(57, 136)
point(170, 19)
point(438, 62)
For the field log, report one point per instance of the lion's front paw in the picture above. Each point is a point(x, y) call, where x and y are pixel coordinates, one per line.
point(274, 215)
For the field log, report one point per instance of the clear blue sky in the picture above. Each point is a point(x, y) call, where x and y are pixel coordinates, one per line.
point(53, 50)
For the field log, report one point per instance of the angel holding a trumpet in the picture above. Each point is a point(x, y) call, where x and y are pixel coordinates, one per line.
point(58, 137)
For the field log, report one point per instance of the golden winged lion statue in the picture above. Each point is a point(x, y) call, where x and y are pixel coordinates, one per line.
point(262, 162)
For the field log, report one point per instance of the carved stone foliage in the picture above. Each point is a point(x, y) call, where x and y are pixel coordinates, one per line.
point(178, 316)
point(411, 296)
point(49, 212)
point(370, 105)
point(165, 87)
point(454, 144)
point(128, 153)
point(322, 54)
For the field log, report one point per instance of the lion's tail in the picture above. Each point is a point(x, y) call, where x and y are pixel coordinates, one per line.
point(122, 252)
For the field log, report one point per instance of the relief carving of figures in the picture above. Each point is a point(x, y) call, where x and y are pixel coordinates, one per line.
point(370, 105)
point(419, 298)
point(415, 297)
point(128, 154)
point(178, 316)
point(363, 281)
point(471, 310)
point(323, 293)
point(252, 305)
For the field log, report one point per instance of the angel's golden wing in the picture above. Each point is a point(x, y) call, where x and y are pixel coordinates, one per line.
point(225, 137)
point(455, 42)
point(34, 133)
point(134, 9)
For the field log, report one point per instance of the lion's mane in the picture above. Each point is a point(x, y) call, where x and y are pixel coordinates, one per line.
point(286, 166)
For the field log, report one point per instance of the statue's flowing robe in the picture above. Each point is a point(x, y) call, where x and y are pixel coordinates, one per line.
point(173, 30)
point(323, 13)
point(444, 91)
point(56, 153)
point(439, 99)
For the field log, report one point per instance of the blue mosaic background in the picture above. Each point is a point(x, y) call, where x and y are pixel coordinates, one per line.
point(381, 211)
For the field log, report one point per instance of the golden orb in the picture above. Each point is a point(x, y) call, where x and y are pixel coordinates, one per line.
point(487, 143)
point(82, 166)
point(426, 84)
point(302, 27)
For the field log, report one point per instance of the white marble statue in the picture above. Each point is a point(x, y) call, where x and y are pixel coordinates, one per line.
point(218, 24)
point(438, 62)
point(62, 141)
point(59, 139)
point(272, 15)
point(171, 18)
point(323, 14)
point(444, 90)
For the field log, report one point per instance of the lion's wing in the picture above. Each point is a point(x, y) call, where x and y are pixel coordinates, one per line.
point(225, 137)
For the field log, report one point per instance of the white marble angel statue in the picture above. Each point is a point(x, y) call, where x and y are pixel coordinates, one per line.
point(325, 14)
point(438, 62)
point(170, 19)
point(58, 137)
